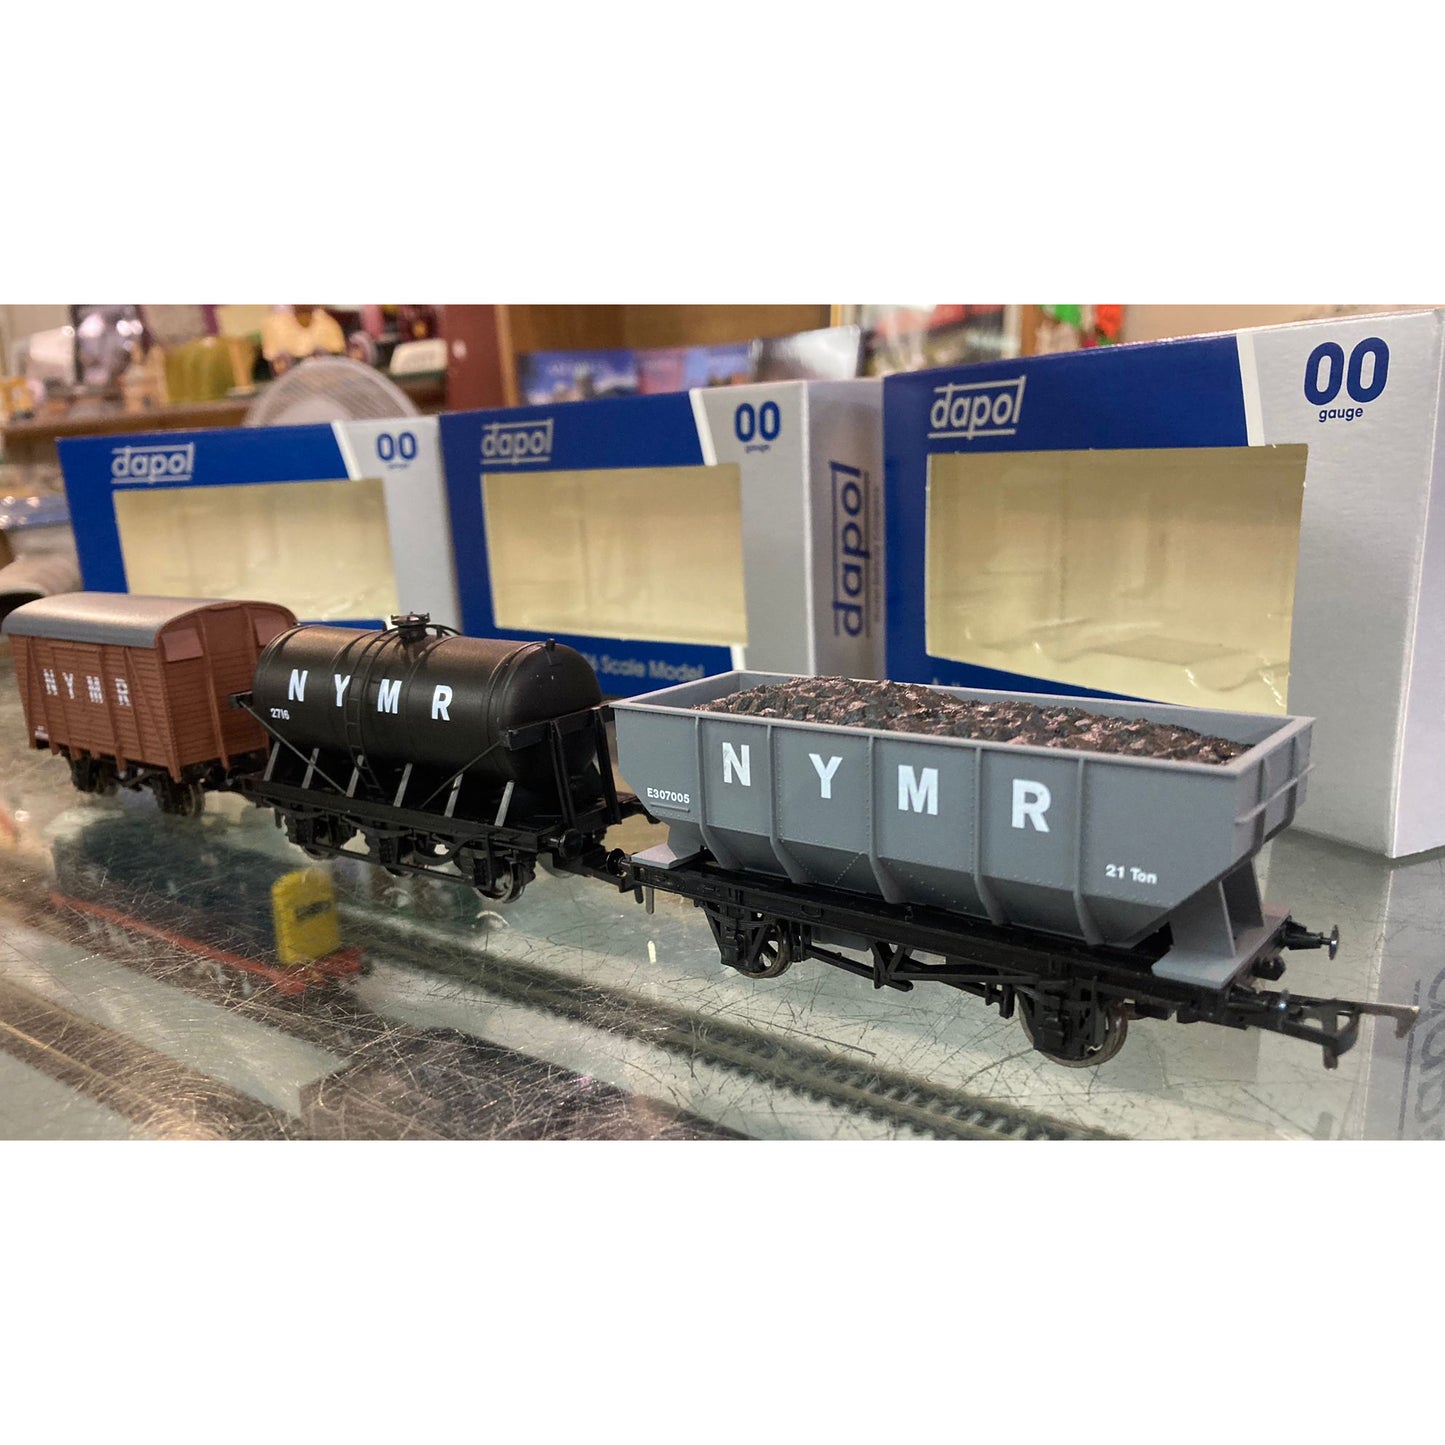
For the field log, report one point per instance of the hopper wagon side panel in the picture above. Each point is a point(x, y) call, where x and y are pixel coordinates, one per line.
point(1094, 846)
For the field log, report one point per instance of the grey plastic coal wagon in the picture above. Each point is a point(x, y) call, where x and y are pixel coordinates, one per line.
point(1097, 847)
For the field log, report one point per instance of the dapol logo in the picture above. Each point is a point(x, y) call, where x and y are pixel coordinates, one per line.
point(852, 554)
point(132, 465)
point(969, 409)
point(514, 442)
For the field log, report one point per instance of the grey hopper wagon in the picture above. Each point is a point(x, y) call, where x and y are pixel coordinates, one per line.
point(1104, 849)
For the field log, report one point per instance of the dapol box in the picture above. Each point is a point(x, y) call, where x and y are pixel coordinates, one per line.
point(344, 522)
point(1247, 521)
point(671, 537)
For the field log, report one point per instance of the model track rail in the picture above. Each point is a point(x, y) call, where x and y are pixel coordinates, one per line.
point(352, 1102)
point(144, 1087)
point(886, 1095)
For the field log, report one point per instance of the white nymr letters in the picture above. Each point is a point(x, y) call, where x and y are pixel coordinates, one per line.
point(131, 465)
point(917, 787)
point(969, 409)
point(388, 693)
point(517, 441)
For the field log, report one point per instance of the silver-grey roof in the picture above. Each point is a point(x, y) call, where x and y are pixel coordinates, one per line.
point(115, 618)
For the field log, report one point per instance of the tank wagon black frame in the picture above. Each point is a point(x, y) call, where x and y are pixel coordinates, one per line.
point(540, 785)
point(553, 775)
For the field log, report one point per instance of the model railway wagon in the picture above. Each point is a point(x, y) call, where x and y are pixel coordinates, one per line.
point(132, 690)
point(1067, 884)
point(435, 749)
point(1079, 888)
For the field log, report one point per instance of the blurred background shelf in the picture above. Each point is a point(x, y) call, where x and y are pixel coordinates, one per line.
point(485, 341)
point(33, 441)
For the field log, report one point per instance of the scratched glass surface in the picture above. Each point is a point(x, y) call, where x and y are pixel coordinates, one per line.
point(571, 1013)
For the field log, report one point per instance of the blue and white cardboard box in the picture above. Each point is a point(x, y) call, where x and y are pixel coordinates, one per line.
point(674, 536)
point(1123, 521)
point(343, 522)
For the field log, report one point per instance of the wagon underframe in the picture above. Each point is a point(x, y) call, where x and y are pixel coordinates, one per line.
point(1074, 1001)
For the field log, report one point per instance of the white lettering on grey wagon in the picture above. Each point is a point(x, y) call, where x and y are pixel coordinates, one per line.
point(739, 762)
point(1031, 802)
point(917, 791)
point(825, 774)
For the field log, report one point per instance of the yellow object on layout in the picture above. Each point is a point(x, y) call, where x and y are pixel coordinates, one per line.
point(303, 907)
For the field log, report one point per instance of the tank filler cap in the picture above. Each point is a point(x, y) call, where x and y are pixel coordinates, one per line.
point(411, 626)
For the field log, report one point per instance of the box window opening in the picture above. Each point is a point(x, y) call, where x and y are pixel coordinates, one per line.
point(323, 548)
point(646, 554)
point(1165, 574)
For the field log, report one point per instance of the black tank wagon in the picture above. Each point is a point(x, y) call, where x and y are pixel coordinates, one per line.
point(435, 748)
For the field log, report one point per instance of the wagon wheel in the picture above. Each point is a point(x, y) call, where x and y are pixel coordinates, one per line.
point(763, 948)
point(331, 833)
point(181, 800)
point(190, 800)
point(776, 953)
point(91, 775)
point(505, 885)
point(1081, 1050)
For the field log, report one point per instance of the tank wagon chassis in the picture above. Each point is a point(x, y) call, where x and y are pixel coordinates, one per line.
point(1073, 1001)
point(415, 820)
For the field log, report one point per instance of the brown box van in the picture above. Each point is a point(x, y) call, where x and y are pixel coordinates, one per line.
point(132, 690)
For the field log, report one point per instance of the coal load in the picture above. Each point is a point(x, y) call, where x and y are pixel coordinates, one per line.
point(910, 708)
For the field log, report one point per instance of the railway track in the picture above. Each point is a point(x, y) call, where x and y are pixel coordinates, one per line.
point(398, 1081)
point(888, 1096)
point(334, 1022)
